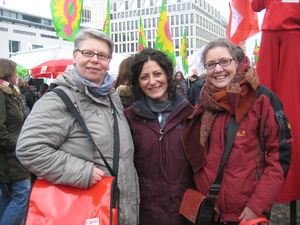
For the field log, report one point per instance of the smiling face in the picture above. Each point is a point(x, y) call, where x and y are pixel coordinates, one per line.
point(92, 69)
point(153, 81)
point(220, 76)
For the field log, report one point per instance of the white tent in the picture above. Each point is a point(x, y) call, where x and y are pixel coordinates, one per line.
point(32, 58)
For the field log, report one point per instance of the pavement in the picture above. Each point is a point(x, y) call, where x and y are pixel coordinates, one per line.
point(280, 214)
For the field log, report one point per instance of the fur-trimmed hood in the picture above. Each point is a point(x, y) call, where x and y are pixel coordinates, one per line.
point(8, 88)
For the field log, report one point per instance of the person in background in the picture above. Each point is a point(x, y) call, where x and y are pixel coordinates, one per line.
point(23, 87)
point(52, 134)
point(122, 83)
point(157, 121)
point(194, 92)
point(181, 84)
point(278, 68)
point(259, 159)
point(14, 178)
point(43, 89)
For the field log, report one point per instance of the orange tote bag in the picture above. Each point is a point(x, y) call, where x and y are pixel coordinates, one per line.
point(52, 204)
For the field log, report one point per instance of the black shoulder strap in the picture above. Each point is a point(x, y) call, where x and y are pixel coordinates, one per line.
point(231, 131)
point(79, 118)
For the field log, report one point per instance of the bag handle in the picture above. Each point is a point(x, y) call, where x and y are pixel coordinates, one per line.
point(254, 221)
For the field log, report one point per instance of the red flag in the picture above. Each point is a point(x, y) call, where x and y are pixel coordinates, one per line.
point(243, 22)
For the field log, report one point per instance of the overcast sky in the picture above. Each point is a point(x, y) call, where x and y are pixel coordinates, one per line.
point(42, 7)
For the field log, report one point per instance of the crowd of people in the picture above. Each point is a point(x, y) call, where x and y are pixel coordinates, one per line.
point(173, 133)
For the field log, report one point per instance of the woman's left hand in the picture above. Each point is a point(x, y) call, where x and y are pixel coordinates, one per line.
point(248, 214)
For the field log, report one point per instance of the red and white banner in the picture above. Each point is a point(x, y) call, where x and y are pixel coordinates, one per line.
point(243, 22)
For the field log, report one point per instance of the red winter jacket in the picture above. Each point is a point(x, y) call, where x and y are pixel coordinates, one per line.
point(163, 170)
point(258, 162)
point(280, 14)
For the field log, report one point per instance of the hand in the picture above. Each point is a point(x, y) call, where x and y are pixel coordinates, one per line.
point(97, 175)
point(248, 214)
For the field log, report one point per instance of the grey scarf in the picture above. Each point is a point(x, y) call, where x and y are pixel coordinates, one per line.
point(161, 108)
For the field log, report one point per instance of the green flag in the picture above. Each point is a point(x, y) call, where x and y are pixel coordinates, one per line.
point(22, 71)
point(163, 40)
point(142, 39)
point(106, 26)
point(184, 53)
point(66, 16)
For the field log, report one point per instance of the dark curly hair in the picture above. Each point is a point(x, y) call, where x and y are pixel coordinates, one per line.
point(150, 54)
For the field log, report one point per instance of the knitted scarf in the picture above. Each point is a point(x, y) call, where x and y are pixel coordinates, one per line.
point(101, 90)
point(236, 98)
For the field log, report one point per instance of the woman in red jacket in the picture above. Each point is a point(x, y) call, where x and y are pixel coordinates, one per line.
point(278, 68)
point(259, 159)
point(157, 121)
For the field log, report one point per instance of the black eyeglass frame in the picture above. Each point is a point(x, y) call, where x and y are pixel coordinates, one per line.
point(100, 56)
point(213, 65)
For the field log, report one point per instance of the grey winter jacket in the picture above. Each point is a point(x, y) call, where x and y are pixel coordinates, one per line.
point(53, 145)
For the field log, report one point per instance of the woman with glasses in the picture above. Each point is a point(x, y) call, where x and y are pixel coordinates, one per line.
point(259, 158)
point(53, 145)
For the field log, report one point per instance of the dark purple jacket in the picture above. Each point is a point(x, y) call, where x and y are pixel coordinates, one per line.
point(163, 170)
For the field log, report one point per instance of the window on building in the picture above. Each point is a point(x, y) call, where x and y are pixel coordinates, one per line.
point(116, 47)
point(192, 18)
point(172, 20)
point(177, 19)
point(3, 29)
point(176, 31)
point(36, 46)
point(49, 36)
point(153, 22)
point(126, 5)
point(187, 18)
point(14, 46)
point(24, 32)
point(114, 7)
point(148, 34)
point(124, 48)
point(176, 43)
point(151, 2)
point(187, 6)
point(138, 2)
point(33, 19)
point(132, 47)
point(182, 19)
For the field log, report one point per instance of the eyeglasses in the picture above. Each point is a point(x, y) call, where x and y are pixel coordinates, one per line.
point(90, 54)
point(222, 63)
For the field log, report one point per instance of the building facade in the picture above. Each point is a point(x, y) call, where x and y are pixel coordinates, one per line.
point(21, 31)
point(202, 22)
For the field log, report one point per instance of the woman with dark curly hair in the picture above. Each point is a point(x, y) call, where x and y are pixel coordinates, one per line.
point(157, 121)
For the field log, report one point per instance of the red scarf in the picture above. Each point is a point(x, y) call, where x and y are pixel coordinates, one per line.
point(236, 98)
